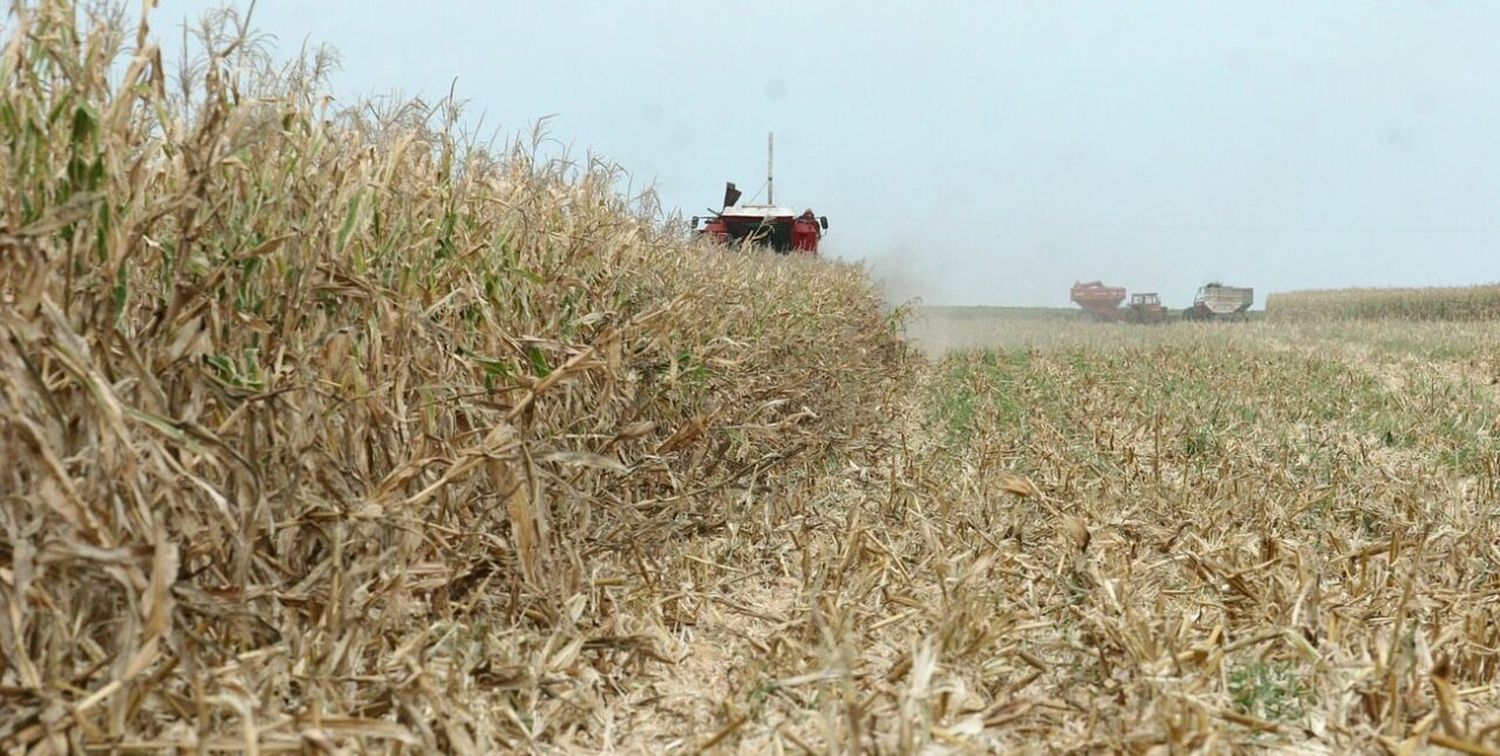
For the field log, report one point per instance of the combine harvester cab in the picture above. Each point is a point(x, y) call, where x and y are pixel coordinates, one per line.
point(1100, 302)
point(769, 225)
point(1219, 302)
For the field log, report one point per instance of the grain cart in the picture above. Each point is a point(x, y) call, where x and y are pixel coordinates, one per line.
point(1098, 301)
point(779, 228)
point(1219, 302)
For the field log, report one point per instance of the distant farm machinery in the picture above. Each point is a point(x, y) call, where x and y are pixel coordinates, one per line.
point(1213, 302)
point(779, 228)
point(1219, 302)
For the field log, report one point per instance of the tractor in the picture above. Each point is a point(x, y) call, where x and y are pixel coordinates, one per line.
point(1102, 303)
point(1145, 307)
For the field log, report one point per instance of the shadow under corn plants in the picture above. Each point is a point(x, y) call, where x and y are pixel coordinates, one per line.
point(322, 426)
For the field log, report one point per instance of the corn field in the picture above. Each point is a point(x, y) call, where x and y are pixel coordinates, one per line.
point(323, 427)
point(1462, 303)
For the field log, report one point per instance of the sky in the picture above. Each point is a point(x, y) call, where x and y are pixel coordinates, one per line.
point(993, 153)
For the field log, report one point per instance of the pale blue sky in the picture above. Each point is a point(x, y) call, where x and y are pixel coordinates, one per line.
point(992, 153)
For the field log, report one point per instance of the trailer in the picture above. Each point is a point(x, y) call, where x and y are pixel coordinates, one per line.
point(1215, 301)
point(1100, 302)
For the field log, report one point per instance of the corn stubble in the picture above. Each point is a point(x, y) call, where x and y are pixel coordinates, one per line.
point(1232, 543)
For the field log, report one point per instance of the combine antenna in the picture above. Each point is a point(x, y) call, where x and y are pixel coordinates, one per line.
point(770, 168)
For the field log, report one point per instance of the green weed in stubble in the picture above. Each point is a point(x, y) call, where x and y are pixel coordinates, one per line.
point(957, 405)
point(1271, 690)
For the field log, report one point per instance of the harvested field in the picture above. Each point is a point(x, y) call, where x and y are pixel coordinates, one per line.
point(1261, 534)
point(324, 432)
point(939, 330)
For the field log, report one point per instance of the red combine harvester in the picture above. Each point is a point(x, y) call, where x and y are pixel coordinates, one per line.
point(779, 228)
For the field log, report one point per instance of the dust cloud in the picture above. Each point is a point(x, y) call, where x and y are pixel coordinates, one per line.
point(905, 278)
point(898, 272)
